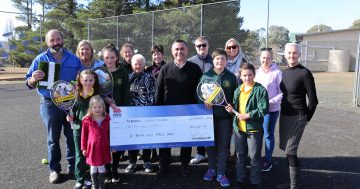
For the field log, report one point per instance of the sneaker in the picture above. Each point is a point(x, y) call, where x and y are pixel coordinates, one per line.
point(223, 180)
point(115, 177)
point(78, 185)
point(54, 177)
point(131, 168)
point(148, 168)
point(266, 166)
point(87, 184)
point(108, 176)
point(209, 175)
point(197, 159)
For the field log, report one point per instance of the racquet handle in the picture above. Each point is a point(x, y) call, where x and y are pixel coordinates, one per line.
point(235, 112)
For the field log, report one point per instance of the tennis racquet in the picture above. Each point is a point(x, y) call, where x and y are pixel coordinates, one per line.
point(106, 83)
point(210, 92)
point(63, 95)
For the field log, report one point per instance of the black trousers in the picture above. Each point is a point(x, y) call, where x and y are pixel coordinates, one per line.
point(134, 153)
point(165, 157)
point(201, 150)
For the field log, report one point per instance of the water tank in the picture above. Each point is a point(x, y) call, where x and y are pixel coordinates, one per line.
point(339, 60)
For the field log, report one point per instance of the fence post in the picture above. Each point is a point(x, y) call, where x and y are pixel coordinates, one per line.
point(201, 19)
point(117, 32)
point(152, 29)
point(357, 76)
point(88, 29)
point(306, 53)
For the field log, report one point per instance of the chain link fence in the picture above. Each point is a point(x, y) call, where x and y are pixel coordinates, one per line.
point(323, 53)
point(322, 56)
point(335, 52)
point(218, 21)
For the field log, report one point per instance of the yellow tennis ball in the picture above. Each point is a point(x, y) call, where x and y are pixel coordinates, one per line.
point(44, 161)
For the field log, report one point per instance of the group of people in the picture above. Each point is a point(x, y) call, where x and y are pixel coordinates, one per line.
point(259, 95)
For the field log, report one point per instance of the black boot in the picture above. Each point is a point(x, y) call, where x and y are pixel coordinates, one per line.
point(101, 180)
point(95, 180)
point(294, 173)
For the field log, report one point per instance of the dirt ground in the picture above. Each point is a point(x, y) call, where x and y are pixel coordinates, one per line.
point(12, 75)
point(335, 89)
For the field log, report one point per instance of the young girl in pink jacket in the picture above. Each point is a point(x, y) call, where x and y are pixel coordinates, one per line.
point(95, 140)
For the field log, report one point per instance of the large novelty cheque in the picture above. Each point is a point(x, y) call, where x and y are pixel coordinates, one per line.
point(144, 127)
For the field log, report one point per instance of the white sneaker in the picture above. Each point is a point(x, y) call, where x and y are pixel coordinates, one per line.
point(54, 177)
point(147, 167)
point(197, 159)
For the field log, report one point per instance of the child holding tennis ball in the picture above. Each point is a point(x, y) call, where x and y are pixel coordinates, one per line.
point(218, 154)
point(95, 140)
point(251, 101)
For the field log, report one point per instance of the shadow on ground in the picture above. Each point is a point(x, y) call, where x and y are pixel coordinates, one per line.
point(317, 173)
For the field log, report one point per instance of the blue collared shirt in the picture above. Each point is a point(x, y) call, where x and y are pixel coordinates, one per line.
point(70, 67)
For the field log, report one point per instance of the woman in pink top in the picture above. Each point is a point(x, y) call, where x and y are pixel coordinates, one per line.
point(269, 76)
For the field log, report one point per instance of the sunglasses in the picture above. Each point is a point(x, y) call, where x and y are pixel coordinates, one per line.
point(266, 49)
point(201, 45)
point(232, 47)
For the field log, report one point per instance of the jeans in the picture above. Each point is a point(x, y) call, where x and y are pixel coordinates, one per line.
point(269, 129)
point(54, 120)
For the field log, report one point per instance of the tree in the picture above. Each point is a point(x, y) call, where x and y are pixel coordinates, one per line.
point(26, 8)
point(251, 44)
point(356, 24)
point(319, 28)
point(73, 19)
point(278, 37)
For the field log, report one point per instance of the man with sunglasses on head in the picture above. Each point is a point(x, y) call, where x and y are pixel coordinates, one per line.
point(204, 60)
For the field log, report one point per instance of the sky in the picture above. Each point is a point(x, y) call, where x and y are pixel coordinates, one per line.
point(299, 16)
point(296, 16)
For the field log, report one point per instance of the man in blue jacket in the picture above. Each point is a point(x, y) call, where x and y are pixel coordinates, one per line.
point(54, 118)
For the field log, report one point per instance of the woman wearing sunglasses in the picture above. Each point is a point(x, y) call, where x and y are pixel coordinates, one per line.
point(235, 57)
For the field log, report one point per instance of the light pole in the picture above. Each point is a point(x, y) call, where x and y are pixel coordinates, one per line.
point(267, 24)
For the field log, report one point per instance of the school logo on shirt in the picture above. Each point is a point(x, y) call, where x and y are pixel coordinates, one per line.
point(226, 83)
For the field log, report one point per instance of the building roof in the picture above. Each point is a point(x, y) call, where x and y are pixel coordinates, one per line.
point(299, 37)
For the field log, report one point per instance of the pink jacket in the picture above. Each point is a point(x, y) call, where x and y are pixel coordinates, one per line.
point(96, 141)
point(271, 81)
